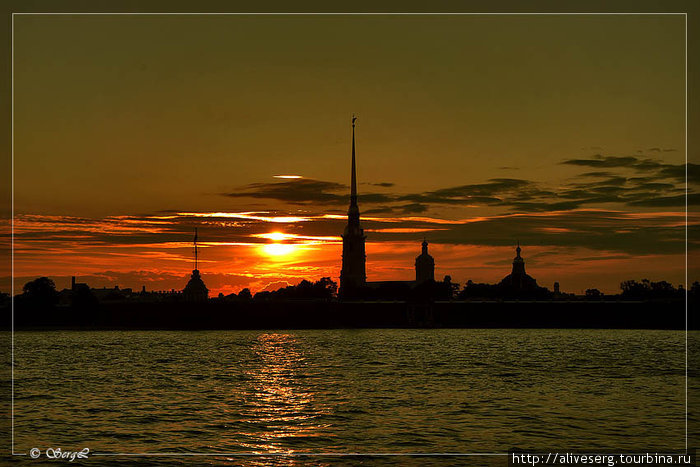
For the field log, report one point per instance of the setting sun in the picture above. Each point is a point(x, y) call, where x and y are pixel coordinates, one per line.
point(276, 236)
point(278, 249)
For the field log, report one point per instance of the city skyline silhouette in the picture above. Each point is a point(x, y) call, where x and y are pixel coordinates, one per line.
point(353, 280)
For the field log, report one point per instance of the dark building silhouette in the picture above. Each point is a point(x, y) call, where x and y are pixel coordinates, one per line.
point(518, 280)
point(352, 275)
point(195, 290)
point(425, 265)
point(423, 286)
point(76, 285)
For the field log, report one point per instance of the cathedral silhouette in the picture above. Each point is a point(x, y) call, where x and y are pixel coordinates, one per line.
point(353, 276)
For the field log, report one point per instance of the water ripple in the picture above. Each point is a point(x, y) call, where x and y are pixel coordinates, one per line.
point(349, 391)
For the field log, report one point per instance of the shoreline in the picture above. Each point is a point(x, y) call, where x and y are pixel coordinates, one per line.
point(321, 314)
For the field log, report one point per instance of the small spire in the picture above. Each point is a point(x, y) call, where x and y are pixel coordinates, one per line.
point(518, 250)
point(195, 249)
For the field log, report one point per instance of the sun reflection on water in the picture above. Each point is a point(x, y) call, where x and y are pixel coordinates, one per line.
point(280, 405)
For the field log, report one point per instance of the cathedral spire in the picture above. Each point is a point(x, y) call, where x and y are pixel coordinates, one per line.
point(353, 210)
point(352, 275)
point(353, 177)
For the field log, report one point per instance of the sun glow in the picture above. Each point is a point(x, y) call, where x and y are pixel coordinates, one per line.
point(275, 236)
point(278, 249)
point(307, 239)
point(246, 216)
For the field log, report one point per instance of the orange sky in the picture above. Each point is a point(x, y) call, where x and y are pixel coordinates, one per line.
point(566, 133)
point(257, 250)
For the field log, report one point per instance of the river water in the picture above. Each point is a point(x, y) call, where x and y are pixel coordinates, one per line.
point(180, 394)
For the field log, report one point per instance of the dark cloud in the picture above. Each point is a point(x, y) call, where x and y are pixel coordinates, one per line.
point(294, 191)
point(662, 185)
point(662, 150)
point(370, 198)
point(654, 180)
point(492, 187)
point(647, 165)
point(304, 191)
point(668, 201)
point(656, 167)
point(574, 194)
point(591, 188)
point(412, 208)
point(603, 161)
point(656, 186)
point(380, 210)
point(495, 192)
point(431, 198)
point(596, 174)
point(597, 230)
point(609, 181)
point(678, 172)
point(633, 191)
point(643, 179)
point(545, 206)
point(600, 230)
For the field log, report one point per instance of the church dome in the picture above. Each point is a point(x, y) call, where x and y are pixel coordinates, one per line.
point(518, 279)
point(195, 290)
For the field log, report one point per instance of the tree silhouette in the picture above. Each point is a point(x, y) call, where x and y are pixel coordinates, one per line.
point(245, 294)
point(646, 290)
point(594, 294)
point(40, 292)
point(324, 288)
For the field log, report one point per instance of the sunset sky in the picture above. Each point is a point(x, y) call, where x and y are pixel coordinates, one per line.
point(566, 133)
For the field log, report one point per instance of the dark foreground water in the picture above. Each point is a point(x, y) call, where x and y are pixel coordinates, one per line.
point(364, 391)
